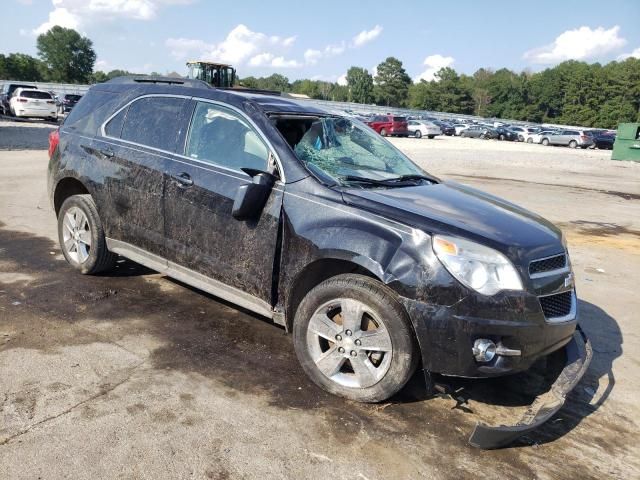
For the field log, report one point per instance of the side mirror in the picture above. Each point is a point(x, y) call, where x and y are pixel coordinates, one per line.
point(250, 199)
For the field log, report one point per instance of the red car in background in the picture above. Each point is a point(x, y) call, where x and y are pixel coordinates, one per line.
point(390, 125)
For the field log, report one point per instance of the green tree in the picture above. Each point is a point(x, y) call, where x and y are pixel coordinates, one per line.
point(69, 57)
point(360, 84)
point(391, 83)
point(99, 77)
point(18, 66)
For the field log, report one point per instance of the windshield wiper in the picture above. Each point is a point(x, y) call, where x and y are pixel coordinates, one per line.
point(400, 181)
point(406, 178)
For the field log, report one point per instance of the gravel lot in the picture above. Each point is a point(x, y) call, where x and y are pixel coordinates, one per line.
point(133, 375)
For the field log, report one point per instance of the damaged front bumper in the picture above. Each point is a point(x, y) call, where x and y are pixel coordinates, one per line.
point(545, 405)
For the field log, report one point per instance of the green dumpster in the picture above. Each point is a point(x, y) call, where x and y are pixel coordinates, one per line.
point(627, 144)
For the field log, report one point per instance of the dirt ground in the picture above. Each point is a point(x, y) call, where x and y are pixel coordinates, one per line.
point(133, 375)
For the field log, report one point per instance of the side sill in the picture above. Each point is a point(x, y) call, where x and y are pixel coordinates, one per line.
point(194, 279)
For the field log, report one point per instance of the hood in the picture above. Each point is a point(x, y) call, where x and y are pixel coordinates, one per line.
point(455, 209)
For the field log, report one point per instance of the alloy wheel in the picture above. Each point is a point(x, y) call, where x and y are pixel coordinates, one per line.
point(349, 343)
point(76, 235)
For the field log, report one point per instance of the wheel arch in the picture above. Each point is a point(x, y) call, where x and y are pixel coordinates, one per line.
point(65, 188)
point(314, 274)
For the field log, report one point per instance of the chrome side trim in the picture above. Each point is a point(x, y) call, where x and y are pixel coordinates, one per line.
point(194, 279)
point(573, 313)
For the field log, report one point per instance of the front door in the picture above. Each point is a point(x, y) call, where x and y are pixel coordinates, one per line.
point(201, 234)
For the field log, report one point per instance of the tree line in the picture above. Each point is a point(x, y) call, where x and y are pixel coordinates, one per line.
point(575, 93)
point(572, 93)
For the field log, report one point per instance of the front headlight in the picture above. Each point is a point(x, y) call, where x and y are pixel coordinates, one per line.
point(478, 267)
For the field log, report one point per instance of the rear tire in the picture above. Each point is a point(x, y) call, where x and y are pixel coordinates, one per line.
point(431, 136)
point(333, 326)
point(418, 134)
point(81, 236)
point(573, 144)
point(529, 140)
point(501, 137)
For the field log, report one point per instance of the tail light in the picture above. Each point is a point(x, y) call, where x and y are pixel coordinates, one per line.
point(54, 139)
point(22, 100)
point(584, 138)
point(50, 102)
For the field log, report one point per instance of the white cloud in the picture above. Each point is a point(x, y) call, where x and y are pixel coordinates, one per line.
point(366, 36)
point(634, 54)
point(578, 44)
point(434, 63)
point(312, 56)
point(269, 60)
point(342, 79)
point(241, 45)
point(76, 13)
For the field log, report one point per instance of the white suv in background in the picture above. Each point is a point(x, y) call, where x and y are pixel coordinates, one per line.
point(33, 103)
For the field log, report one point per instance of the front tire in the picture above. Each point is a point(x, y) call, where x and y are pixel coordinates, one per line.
point(354, 339)
point(81, 236)
point(418, 134)
point(545, 142)
point(383, 132)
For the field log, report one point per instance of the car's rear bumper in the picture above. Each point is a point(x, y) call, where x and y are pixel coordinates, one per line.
point(35, 112)
point(578, 356)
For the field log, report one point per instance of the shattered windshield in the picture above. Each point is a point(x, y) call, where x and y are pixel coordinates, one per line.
point(344, 152)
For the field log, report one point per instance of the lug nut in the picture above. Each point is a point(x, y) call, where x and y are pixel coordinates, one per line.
point(339, 338)
point(341, 350)
point(353, 353)
point(348, 332)
point(358, 342)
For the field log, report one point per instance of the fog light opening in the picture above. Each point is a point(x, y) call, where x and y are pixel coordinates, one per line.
point(484, 350)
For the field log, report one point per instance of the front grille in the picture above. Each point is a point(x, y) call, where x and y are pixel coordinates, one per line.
point(548, 264)
point(558, 305)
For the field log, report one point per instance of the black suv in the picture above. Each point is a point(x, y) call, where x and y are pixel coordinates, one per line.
point(315, 221)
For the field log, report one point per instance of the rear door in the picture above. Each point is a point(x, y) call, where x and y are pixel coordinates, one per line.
point(202, 235)
point(135, 149)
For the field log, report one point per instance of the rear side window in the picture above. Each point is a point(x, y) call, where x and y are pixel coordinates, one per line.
point(218, 135)
point(114, 127)
point(399, 119)
point(92, 109)
point(152, 121)
point(35, 94)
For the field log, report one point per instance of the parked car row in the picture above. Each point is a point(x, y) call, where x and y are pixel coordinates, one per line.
point(24, 100)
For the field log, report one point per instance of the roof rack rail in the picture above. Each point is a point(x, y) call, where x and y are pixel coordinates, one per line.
point(187, 82)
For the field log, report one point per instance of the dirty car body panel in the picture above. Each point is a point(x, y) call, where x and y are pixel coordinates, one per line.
point(171, 210)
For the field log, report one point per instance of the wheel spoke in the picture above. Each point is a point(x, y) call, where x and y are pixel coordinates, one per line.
point(376, 340)
point(330, 362)
point(83, 253)
point(364, 369)
point(68, 244)
point(352, 312)
point(70, 217)
point(323, 326)
point(85, 237)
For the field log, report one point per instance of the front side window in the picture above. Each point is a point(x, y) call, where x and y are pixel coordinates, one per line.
point(343, 151)
point(153, 121)
point(220, 136)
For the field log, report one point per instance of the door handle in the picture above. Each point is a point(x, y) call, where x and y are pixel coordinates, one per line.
point(183, 179)
point(107, 152)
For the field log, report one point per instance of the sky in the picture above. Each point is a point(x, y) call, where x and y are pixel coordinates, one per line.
point(322, 39)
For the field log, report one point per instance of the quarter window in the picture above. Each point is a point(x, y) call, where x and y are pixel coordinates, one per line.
point(219, 136)
point(114, 127)
point(153, 121)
